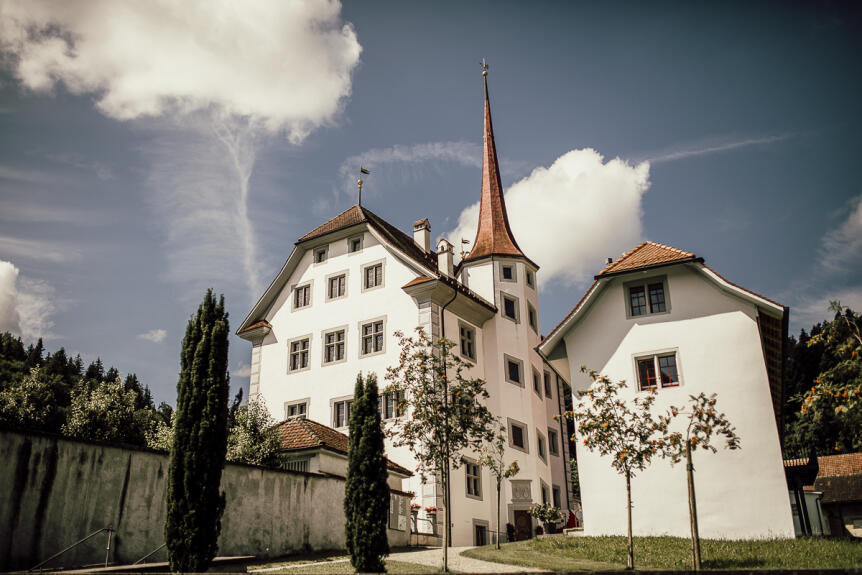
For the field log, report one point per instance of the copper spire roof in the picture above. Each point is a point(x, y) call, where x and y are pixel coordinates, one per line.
point(493, 236)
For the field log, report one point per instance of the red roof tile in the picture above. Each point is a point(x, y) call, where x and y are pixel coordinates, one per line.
point(647, 255)
point(300, 433)
point(840, 465)
point(417, 281)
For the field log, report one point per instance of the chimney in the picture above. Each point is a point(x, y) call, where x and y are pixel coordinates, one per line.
point(444, 258)
point(422, 234)
point(609, 261)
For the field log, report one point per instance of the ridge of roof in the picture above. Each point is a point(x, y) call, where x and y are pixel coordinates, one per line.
point(493, 234)
point(646, 255)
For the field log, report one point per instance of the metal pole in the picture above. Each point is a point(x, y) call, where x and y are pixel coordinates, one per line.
point(72, 546)
point(108, 548)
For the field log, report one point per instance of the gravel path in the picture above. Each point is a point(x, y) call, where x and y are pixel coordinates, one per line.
point(434, 558)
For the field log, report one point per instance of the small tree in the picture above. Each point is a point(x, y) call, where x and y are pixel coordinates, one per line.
point(253, 438)
point(546, 514)
point(703, 422)
point(447, 414)
point(194, 500)
point(102, 410)
point(607, 424)
point(493, 454)
point(30, 402)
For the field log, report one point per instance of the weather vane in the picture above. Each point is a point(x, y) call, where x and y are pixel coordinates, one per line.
point(464, 242)
point(359, 182)
point(484, 67)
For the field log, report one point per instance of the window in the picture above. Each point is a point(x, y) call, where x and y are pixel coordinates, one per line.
point(553, 445)
point(474, 479)
point(397, 511)
point(341, 413)
point(298, 352)
point(537, 382)
point(320, 254)
point(518, 436)
point(555, 490)
point(544, 493)
point(647, 297)
point(354, 245)
point(336, 286)
point(333, 346)
point(510, 307)
point(372, 334)
point(297, 464)
point(655, 368)
point(391, 406)
point(468, 341)
point(295, 409)
point(540, 446)
point(532, 317)
point(372, 276)
point(302, 296)
point(507, 272)
point(514, 370)
point(548, 385)
point(531, 281)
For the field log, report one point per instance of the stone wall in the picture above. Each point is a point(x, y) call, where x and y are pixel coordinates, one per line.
point(57, 491)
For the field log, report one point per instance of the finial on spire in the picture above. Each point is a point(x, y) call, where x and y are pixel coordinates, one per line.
point(359, 182)
point(484, 67)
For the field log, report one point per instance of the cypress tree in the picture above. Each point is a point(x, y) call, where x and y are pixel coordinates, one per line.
point(354, 476)
point(370, 506)
point(194, 500)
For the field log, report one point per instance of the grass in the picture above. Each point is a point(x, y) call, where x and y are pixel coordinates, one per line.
point(561, 553)
point(344, 567)
point(331, 562)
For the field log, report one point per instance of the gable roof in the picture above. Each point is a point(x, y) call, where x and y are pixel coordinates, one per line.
point(300, 433)
point(647, 255)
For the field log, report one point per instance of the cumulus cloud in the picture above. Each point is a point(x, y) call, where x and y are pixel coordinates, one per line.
point(244, 370)
point(572, 215)
point(154, 335)
point(26, 305)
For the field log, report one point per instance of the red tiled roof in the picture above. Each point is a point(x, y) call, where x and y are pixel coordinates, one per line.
point(839, 477)
point(840, 465)
point(646, 255)
point(493, 236)
point(300, 433)
point(417, 281)
point(255, 325)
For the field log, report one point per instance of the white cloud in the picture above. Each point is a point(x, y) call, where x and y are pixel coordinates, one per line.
point(842, 246)
point(244, 370)
point(703, 149)
point(154, 335)
point(572, 215)
point(26, 305)
point(38, 250)
point(816, 309)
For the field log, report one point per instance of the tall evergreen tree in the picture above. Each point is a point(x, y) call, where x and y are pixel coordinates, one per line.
point(354, 476)
point(369, 491)
point(95, 371)
point(194, 500)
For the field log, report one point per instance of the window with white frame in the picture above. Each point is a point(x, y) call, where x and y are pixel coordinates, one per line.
point(468, 341)
point(518, 435)
point(295, 409)
point(473, 472)
point(373, 337)
point(333, 346)
point(514, 369)
point(372, 276)
point(298, 350)
point(510, 307)
point(659, 370)
point(302, 296)
point(540, 446)
point(392, 405)
point(553, 443)
point(341, 412)
point(547, 376)
point(537, 382)
point(507, 272)
point(354, 245)
point(336, 286)
point(647, 297)
point(320, 254)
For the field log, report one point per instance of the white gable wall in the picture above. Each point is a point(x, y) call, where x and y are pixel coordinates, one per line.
point(740, 493)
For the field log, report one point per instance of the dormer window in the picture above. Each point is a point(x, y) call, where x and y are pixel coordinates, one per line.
point(320, 254)
point(354, 244)
point(647, 297)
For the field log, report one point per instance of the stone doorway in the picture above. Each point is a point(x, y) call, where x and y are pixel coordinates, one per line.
point(523, 525)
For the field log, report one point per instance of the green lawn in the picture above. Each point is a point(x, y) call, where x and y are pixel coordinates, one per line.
point(344, 567)
point(561, 553)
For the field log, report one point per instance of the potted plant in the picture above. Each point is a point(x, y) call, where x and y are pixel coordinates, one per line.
point(546, 514)
point(414, 516)
point(431, 512)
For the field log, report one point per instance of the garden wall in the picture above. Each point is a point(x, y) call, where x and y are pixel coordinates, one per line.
point(57, 491)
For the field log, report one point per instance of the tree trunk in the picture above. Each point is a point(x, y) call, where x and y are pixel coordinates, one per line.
point(692, 509)
point(630, 558)
point(444, 485)
point(498, 513)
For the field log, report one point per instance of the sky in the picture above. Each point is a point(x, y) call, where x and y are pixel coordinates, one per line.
point(151, 150)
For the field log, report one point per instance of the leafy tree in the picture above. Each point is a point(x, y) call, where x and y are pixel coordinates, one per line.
point(12, 358)
point(253, 438)
point(194, 501)
point(546, 513)
point(493, 457)
point(30, 403)
point(629, 435)
point(703, 421)
point(104, 412)
point(448, 414)
point(366, 502)
point(159, 435)
point(574, 477)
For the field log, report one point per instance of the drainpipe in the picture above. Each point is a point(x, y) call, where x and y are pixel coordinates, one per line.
point(447, 494)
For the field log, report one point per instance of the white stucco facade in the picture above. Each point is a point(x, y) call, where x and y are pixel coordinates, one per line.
point(713, 329)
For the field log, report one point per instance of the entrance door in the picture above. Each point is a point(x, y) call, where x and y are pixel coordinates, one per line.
point(523, 525)
point(481, 536)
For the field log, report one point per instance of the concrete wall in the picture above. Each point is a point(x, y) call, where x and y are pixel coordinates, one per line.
point(57, 491)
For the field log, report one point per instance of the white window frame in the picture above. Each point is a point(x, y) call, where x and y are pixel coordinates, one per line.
point(476, 479)
point(513, 267)
point(338, 274)
point(382, 264)
point(293, 293)
point(323, 335)
point(510, 423)
point(553, 445)
point(386, 400)
point(655, 355)
point(317, 250)
point(288, 404)
point(350, 240)
point(465, 326)
point(645, 283)
point(541, 446)
point(348, 401)
point(290, 353)
point(361, 331)
point(503, 297)
point(506, 359)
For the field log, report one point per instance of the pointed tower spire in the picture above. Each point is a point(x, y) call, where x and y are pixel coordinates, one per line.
point(493, 235)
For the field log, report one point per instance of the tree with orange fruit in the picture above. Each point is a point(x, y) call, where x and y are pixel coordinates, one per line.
point(703, 422)
point(626, 432)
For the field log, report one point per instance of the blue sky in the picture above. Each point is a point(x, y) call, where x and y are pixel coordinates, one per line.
point(150, 151)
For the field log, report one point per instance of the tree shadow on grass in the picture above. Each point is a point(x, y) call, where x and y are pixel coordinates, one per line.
point(732, 563)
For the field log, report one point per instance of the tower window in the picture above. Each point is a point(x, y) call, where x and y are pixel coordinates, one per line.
point(510, 307)
point(514, 370)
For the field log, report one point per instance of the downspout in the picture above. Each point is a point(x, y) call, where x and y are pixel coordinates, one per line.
point(564, 444)
point(448, 493)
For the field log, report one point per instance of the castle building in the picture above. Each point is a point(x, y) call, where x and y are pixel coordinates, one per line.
point(353, 281)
